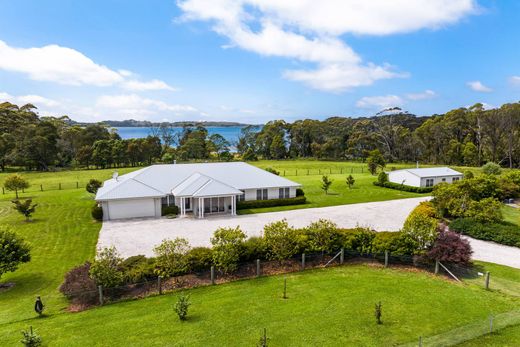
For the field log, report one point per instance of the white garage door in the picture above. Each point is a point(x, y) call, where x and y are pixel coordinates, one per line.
point(131, 208)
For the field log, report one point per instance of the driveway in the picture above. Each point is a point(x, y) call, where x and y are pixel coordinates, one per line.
point(494, 252)
point(140, 236)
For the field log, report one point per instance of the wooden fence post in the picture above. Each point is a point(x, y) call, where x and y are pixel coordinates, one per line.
point(342, 256)
point(3, 190)
point(41, 187)
point(420, 341)
point(436, 267)
point(59, 186)
point(284, 172)
point(307, 172)
point(23, 190)
point(319, 171)
point(285, 288)
point(303, 261)
point(386, 258)
point(296, 172)
point(212, 274)
point(159, 284)
point(487, 280)
point(77, 185)
point(258, 268)
point(100, 291)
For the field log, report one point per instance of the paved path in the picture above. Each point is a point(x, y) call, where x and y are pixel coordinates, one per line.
point(132, 237)
point(494, 252)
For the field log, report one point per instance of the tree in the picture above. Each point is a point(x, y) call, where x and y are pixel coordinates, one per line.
point(31, 338)
point(15, 182)
point(449, 247)
point(181, 306)
point(171, 257)
point(26, 208)
point(13, 251)
point(106, 268)
point(325, 183)
point(227, 246)
point(350, 181)
point(282, 240)
point(491, 168)
point(219, 144)
point(375, 160)
point(93, 185)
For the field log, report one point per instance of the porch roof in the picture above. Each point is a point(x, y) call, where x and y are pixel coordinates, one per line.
point(199, 185)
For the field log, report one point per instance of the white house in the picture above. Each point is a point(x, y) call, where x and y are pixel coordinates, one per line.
point(198, 189)
point(427, 177)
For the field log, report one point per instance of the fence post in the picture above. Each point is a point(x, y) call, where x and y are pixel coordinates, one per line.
point(284, 172)
point(212, 274)
point(436, 267)
point(386, 258)
point(3, 190)
point(159, 284)
point(307, 172)
point(361, 169)
point(303, 261)
point(59, 186)
point(319, 171)
point(342, 256)
point(296, 172)
point(285, 288)
point(491, 324)
point(487, 280)
point(77, 185)
point(330, 170)
point(23, 190)
point(100, 291)
point(41, 187)
point(420, 341)
point(258, 268)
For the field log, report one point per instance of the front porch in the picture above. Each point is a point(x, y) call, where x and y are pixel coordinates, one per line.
point(202, 206)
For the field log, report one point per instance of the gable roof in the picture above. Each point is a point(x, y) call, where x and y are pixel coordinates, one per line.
point(126, 189)
point(176, 179)
point(431, 172)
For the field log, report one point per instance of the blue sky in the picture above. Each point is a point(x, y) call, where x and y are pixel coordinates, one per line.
point(256, 60)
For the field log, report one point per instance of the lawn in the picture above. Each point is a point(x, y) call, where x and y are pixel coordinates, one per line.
point(511, 214)
point(326, 307)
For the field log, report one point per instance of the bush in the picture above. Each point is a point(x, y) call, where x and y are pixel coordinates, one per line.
point(78, 286)
point(106, 270)
point(273, 171)
point(450, 248)
point(13, 251)
point(403, 187)
point(491, 168)
point(254, 248)
point(199, 259)
point(282, 240)
point(227, 248)
point(97, 212)
point(171, 257)
point(359, 240)
point(420, 228)
point(138, 268)
point(181, 306)
point(271, 203)
point(93, 185)
point(31, 338)
point(487, 210)
point(382, 178)
point(172, 210)
point(468, 174)
point(300, 192)
point(323, 236)
point(503, 233)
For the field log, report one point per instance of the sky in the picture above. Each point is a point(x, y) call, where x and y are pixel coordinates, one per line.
point(256, 60)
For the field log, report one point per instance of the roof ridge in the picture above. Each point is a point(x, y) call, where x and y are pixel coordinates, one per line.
point(202, 187)
point(187, 178)
point(144, 184)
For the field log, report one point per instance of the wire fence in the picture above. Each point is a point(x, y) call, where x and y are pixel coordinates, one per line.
point(325, 171)
point(48, 187)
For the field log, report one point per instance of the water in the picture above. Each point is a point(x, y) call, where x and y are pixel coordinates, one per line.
point(229, 133)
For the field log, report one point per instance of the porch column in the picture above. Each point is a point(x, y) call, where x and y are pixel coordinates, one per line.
point(183, 212)
point(203, 207)
point(233, 205)
point(168, 199)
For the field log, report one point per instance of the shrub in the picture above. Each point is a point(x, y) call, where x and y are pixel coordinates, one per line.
point(405, 188)
point(323, 236)
point(15, 183)
point(420, 228)
point(171, 210)
point(503, 233)
point(31, 338)
point(382, 178)
point(106, 269)
point(138, 268)
point(300, 192)
point(282, 240)
point(449, 247)
point(508, 187)
point(93, 185)
point(254, 248)
point(181, 306)
point(468, 174)
point(25, 208)
point(199, 259)
point(487, 210)
point(249, 155)
point(227, 247)
point(97, 212)
point(491, 168)
point(171, 257)
point(13, 251)
point(271, 202)
point(358, 240)
point(78, 286)
point(273, 171)
point(350, 181)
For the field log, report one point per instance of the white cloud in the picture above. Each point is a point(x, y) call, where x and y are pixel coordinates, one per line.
point(309, 31)
point(515, 80)
point(36, 100)
point(427, 94)
point(380, 102)
point(148, 85)
point(478, 87)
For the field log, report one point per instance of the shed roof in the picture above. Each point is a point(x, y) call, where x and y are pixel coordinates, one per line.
point(431, 172)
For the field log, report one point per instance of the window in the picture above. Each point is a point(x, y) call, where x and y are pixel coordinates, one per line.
point(444, 180)
point(283, 193)
point(287, 190)
point(242, 197)
point(429, 182)
point(455, 179)
point(261, 194)
point(264, 194)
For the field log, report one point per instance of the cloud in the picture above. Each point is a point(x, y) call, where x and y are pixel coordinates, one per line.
point(36, 100)
point(380, 102)
point(427, 94)
point(310, 32)
point(148, 85)
point(515, 80)
point(478, 87)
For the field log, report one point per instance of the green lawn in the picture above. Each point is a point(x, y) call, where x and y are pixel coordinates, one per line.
point(508, 337)
point(324, 307)
point(511, 214)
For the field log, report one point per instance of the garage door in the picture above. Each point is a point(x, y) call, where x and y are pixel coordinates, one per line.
point(131, 208)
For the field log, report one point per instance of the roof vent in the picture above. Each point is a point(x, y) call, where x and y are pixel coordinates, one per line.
point(115, 175)
point(175, 162)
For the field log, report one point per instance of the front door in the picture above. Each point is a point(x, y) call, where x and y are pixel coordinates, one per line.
point(187, 204)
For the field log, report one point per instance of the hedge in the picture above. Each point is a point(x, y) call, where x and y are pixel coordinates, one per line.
point(271, 203)
point(169, 210)
point(503, 233)
point(403, 187)
point(97, 212)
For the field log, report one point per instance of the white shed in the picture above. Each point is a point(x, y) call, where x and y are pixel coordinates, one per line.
point(424, 177)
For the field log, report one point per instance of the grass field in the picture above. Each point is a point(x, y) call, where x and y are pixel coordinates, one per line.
point(511, 214)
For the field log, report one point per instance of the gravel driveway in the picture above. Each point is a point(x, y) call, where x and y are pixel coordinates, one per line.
point(140, 236)
point(494, 252)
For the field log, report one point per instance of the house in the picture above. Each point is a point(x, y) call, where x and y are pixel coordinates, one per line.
point(198, 189)
point(424, 177)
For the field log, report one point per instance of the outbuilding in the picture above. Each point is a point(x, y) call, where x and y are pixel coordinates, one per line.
point(424, 177)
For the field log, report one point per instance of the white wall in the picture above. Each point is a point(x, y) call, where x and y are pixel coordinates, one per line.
point(272, 193)
point(437, 180)
point(404, 177)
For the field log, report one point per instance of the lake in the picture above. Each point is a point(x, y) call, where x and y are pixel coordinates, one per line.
point(229, 133)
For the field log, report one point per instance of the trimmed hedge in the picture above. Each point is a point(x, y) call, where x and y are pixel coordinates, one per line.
point(97, 212)
point(503, 233)
point(300, 192)
point(271, 203)
point(403, 187)
point(169, 210)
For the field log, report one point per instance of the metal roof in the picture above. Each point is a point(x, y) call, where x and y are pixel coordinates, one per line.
point(126, 189)
point(431, 172)
point(184, 178)
point(199, 185)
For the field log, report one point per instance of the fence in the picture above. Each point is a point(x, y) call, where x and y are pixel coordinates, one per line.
point(49, 187)
point(328, 171)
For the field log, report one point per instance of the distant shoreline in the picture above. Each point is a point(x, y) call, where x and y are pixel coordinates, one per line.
point(131, 123)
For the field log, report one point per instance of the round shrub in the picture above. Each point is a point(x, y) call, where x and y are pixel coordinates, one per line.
point(382, 178)
point(93, 185)
point(300, 192)
point(78, 286)
point(254, 248)
point(169, 210)
point(468, 174)
point(97, 212)
point(200, 259)
point(138, 268)
point(491, 168)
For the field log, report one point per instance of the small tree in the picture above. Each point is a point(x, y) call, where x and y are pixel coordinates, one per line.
point(15, 182)
point(171, 257)
point(93, 185)
point(282, 240)
point(263, 339)
point(350, 181)
point(375, 160)
point(106, 269)
point(468, 174)
point(491, 168)
point(378, 312)
point(326, 183)
point(181, 306)
point(26, 208)
point(323, 236)
point(31, 338)
point(227, 247)
point(451, 248)
point(13, 251)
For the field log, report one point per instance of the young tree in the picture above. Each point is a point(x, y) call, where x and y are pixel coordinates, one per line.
point(106, 269)
point(181, 306)
point(171, 257)
point(350, 181)
point(31, 338)
point(15, 182)
point(13, 251)
point(375, 160)
point(26, 208)
point(378, 312)
point(326, 183)
point(227, 246)
point(93, 185)
point(282, 240)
